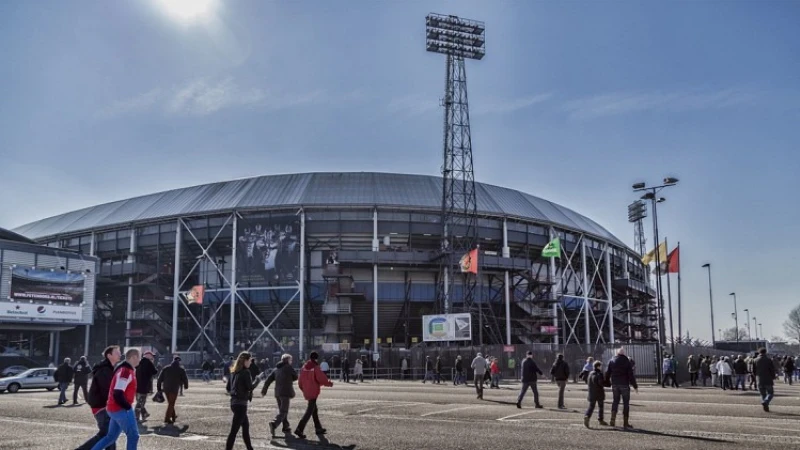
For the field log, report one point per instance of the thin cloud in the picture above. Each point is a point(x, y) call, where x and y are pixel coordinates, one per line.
point(510, 105)
point(619, 103)
point(413, 105)
point(203, 97)
point(417, 104)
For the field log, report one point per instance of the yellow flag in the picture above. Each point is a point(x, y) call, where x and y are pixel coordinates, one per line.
point(651, 256)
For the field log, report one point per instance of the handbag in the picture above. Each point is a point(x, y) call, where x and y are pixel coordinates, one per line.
point(159, 397)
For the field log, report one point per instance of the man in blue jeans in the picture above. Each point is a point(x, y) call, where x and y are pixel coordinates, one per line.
point(120, 404)
point(766, 374)
point(620, 372)
point(63, 376)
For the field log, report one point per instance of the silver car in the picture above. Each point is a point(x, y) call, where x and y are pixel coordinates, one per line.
point(42, 378)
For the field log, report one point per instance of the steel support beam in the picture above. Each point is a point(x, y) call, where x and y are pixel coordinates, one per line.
point(129, 306)
point(87, 332)
point(586, 321)
point(610, 294)
point(176, 286)
point(301, 338)
point(233, 286)
point(554, 290)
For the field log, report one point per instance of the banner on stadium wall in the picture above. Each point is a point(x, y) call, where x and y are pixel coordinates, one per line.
point(447, 327)
point(268, 250)
point(43, 313)
point(45, 285)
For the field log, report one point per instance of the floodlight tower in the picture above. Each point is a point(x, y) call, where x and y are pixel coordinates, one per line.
point(457, 39)
point(637, 211)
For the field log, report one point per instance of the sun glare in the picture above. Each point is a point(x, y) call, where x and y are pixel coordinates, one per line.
point(187, 10)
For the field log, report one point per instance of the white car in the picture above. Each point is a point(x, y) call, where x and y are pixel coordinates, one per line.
point(42, 378)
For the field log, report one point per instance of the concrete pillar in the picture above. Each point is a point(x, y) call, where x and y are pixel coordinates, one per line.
point(554, 289)
point(233, 286)
point(585, 294)
point(129, 308)
point(94, 269)
point(176, 286)
point(301, 338)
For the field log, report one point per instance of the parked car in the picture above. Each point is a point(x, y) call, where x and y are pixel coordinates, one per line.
point(12, 370)
point(41, 378)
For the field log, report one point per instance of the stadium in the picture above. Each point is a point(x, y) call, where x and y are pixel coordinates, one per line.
point(339, 260)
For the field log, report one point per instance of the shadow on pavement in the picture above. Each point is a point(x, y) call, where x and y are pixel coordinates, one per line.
point(164, 430)
point(302, 444)
point(694, 438)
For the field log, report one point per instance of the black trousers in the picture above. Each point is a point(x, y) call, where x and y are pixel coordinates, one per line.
point(311, 413)
point(240, 420)
point(80, 385)
point(693, 378)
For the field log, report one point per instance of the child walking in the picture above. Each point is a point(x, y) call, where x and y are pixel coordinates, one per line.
point(597, 394)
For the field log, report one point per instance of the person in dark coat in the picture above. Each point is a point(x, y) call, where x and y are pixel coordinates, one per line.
point(255, 371)
point(241, 390)
point(82, 370)
point(766, 374)
point(145, 372)
point(459, 378)
point(530, 372)
point(597, 395)
point(620, 372)
point(102, 374)
point(172, 378)
point(346, 370)
point(284, 377)
point(560, 371)
point(63, 377)
point(788, 370)
point(437, 374)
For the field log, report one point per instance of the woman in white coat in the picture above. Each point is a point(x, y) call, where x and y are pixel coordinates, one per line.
point(358, 370)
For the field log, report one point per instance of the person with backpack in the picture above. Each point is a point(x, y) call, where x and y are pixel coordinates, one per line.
point(597, 395)
point(102, 373)
point(310, 382)
point(170, 382)
point(82, 370)
point(145, 373)
point(283, 376)
point(241, 388)
point(120, 403)
point(63, 377)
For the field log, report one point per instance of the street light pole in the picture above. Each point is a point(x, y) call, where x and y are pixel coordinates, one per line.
point(755, 325)
point(736, 316)
point(711, 301)
point(761, 331)
point(749, 336)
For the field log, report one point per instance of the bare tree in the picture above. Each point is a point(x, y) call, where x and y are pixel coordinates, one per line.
point(730, 334)
point(792, 324)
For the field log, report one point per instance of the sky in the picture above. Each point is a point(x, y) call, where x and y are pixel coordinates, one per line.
point(574, 102)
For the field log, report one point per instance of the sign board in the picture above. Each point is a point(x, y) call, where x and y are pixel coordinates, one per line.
point(388, 340)
point(549, 329)
point(379, 340)
point(508, 348)
point(376, 357)
point(414, 339)
point(366, 341)
point(447, 327)
point(45, 313)
point(46, 285)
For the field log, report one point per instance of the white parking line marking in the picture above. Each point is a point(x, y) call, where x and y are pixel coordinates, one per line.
point(447, 411)
point(398, 405)
point(516, 415)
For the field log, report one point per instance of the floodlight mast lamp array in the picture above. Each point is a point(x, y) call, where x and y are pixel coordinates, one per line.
point(457, 39)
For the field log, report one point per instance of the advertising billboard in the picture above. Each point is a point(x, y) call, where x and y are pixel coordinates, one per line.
point(41, 313)
point(447, 327)
point(268, 250)
point(46, 285)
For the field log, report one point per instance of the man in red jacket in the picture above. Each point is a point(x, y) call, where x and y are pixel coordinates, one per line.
point(311, 379)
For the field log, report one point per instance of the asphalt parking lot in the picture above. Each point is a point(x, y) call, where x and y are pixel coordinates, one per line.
point(410, 415)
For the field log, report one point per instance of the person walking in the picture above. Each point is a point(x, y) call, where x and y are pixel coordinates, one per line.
point(479, 369)
point(705, 370)
point(560, 372)
point(597, 395)
point(325, 367)
point(714, 369)
point(102, 373)
point(310, 382)
point(358, 370)
point(459, 375)
point(63, 377)
point(403, 368)
point(437, 370)
point(694, 367)
point(428, 370)
point(530, 372)
point(170, 382)
point(766, 374)
point(208, 369)
point(120, 404)
point(255, 370)
point(145, 373)
point(346, 370)
point(740, 370)
point(284, 377)
point(788, 370)
point(669, 373)
point(81, 370)
point(495, 369)
point(241, 390)
point(587, 369)
point(620, 372)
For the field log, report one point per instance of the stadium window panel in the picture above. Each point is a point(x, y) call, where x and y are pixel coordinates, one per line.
point(489, 223)
point(121, 234)
point(167, 227)
point(218, 221)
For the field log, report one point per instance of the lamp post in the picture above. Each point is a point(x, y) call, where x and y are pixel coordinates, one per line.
point(711, 302)
point(749, 336)
point(755, 325)
point(654, 199)
point(735, 315)
point(761, 331)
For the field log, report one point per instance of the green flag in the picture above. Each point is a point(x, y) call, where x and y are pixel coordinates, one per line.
point(552, 249)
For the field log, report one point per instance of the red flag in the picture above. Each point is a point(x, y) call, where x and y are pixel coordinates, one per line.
point(196, 295)
point(469, 262)
point(674, 261)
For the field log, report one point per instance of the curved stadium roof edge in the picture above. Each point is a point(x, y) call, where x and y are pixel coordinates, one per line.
point(346, 189)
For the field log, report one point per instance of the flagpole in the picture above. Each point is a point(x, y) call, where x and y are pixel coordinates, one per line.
point(680, 313)
point(669, 302)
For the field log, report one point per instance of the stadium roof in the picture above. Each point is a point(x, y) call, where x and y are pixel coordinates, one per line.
point(14, 237)
point(308, 190)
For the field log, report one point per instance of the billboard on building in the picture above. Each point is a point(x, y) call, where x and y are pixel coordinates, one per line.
point(41, 313)
point(447, 327)
point(46, 285)
point(268, 250)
